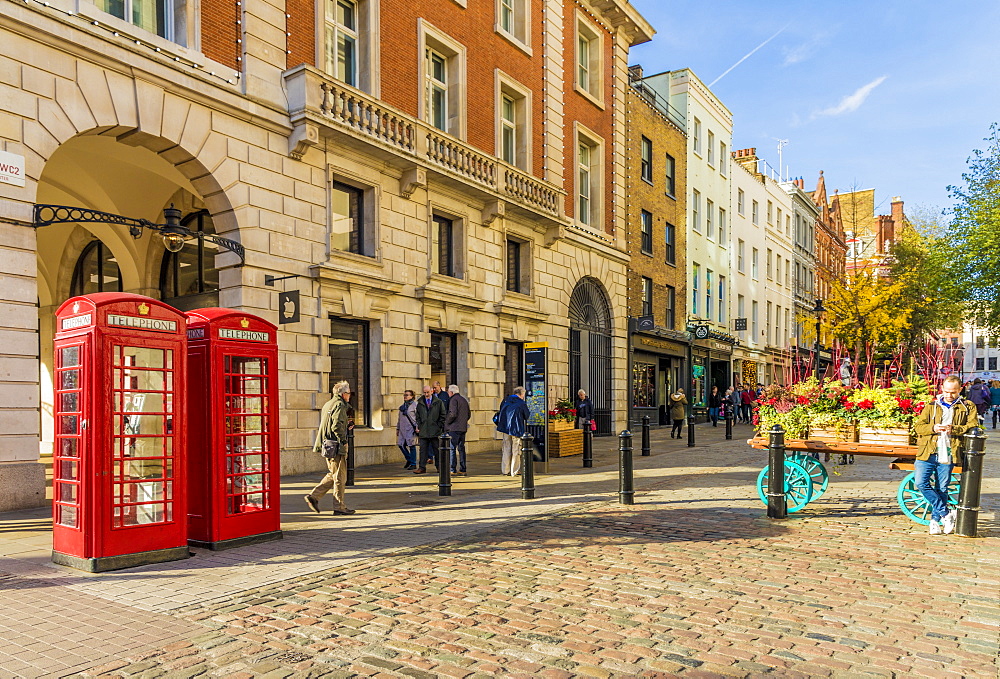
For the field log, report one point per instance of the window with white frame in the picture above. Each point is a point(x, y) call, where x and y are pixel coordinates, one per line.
point(709, 222)
point(722, 299)
point(767, 263)
point(695, 275)
point(767, 323)
point(443, 75)
point(588, 59)
point(753, 263)
point(696, 137)
point(708, 294)
point(753, 321)
point(777, 325)
point(588, 182)
point(777, 219)
point(513, 122)
point(723, 159)
point(770, 209)
point(512, 20)
point(722, 226)
point(710, 147)
point(741, 306)
point(647, 296)
point(740, 202)
point(646, 229)
point(696, 210)
point(165, 18)
point(755, 213)
point(342, 40)
point(740, 253)
point(777, 268)
point(646, 160)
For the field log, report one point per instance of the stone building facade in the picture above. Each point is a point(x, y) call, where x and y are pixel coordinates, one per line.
point(656, 188)
point(442, 183)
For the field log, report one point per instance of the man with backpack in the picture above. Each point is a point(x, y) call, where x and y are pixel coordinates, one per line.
point(512, 422)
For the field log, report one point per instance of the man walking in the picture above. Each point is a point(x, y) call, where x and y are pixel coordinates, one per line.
point(333, 426)
point(940, 427)
point(512, 422)
point(440, 393)
point(456, 424)
point(430, 425)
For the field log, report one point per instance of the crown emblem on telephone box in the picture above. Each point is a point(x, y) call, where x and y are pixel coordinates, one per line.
point(143, 309)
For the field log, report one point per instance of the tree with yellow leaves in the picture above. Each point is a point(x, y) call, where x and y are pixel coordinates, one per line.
point(867, 311)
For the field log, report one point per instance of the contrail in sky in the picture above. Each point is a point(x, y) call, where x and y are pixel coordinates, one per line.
point(749, 54)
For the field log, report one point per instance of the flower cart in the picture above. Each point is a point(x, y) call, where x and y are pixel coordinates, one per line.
point(564, 439)
point(829, 418)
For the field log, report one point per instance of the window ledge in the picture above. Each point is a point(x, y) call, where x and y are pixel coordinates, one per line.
point(648, 181)
point(670, 196)
point(514, 40)
point(598, 102)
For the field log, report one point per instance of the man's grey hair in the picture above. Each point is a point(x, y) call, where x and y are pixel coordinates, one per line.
point(453, 388)
point(519, 391)
point(340, 387)
point(955, 379)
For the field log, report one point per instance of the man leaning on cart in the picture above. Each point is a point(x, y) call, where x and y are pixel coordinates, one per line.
point(940, 427)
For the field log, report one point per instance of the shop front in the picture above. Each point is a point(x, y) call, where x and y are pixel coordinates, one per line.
point(712, 364)
point(658, 368)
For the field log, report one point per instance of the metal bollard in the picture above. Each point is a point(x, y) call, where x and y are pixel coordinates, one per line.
point(645, 436)
point(444, 464)
point(527, 468)
point(625, 490)
point(691, 430)
point(776, 505)
point(350, 457)
point(588, 448)
point(729, 422)
point(972, 481)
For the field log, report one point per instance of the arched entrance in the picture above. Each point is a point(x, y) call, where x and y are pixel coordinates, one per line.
point(99, 172)
point(590, 349)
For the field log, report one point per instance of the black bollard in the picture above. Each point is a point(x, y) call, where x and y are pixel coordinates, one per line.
point(527, 469)
point(645, 436)
point(444, 464)
point(350, 456)
point(729, 422)
point(776, 506)
point(588, 448)
point(691, 430)
point(625, 491)
point(972, 481)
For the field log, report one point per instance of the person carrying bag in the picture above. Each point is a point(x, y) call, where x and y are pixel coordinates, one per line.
point(331, 443)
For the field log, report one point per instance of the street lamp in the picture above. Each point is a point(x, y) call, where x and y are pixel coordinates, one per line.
point(818, 310)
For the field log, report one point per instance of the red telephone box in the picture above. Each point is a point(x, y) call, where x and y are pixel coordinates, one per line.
point(234, 489)
point(118, 465)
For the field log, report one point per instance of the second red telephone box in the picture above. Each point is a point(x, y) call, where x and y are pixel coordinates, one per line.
point(119, 459)
point(234, 471)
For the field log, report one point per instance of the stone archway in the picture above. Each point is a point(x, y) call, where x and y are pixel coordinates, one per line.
point(590, 349)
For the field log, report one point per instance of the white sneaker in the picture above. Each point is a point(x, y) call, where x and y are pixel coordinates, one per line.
point(948, 522)
point(935, 528)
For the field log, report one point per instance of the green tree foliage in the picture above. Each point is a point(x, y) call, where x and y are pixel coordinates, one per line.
point(930, 290)
point(973, 238)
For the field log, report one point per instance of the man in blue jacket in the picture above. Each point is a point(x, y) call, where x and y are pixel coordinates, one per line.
point(512, 423)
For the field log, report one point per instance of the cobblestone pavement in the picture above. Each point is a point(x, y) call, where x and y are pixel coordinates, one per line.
point(690, 580)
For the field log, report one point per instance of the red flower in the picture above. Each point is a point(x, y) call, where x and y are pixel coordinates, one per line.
point(802, 400)
point(849, 406)
point(905, 404)
point(865, 405)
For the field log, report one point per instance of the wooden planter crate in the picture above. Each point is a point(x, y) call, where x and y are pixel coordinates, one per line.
point(830, 435)
point(559, 425)
point(565, 443)
point(893, 436)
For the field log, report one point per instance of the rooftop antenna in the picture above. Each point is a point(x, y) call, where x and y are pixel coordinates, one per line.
point(781, 144)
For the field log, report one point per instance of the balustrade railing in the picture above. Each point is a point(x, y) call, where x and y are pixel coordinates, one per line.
point(366, 116)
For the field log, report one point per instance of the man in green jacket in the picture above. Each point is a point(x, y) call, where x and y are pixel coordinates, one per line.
point(940, 428)
point(333, 425)
point(430, 424)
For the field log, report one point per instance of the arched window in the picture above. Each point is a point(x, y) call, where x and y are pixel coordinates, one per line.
point(590, 348)
point(96, 271)
point(189, 279)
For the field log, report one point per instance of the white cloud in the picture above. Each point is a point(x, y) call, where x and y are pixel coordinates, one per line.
point(853, 101)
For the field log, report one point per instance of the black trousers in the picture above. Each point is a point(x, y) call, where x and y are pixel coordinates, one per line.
point(428, 453)
point(676, 429)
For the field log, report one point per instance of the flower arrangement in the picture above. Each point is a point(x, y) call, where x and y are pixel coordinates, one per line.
point(830, 405)
point(564, 410)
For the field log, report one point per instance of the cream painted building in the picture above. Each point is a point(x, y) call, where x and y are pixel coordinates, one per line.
point(421, 250)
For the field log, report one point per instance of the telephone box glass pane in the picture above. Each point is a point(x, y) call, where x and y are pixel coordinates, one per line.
point(69, 356)
point(66, 516)
point(69, 402)
point(66, 469)
point(66, 492)
point(68, 424)
point(143, 446)
point(245, 365)
point(69, 379)
point(69, 447)
point(142, 357)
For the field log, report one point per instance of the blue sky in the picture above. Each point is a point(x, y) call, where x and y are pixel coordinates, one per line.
point(886, 94)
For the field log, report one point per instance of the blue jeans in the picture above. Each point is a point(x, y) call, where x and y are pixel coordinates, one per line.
point(457, 451)
point(932, 480)
point(713, 414)
point(409, 454)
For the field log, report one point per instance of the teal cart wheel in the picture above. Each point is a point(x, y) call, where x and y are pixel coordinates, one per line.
point(817, 472)
point(798, 486)
point(913, 503)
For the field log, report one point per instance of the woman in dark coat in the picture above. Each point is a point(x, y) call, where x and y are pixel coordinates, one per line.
point(584, 410)
point(714, 404)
